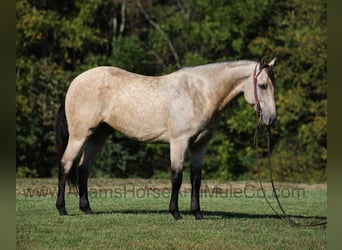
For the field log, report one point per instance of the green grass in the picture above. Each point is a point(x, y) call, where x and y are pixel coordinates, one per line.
point(132, 213)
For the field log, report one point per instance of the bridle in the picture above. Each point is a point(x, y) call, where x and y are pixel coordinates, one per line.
point(255, 85)
point(283, 214)
point(257, 102)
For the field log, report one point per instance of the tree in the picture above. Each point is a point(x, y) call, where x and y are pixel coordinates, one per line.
point(58, 40)
point(53, 39)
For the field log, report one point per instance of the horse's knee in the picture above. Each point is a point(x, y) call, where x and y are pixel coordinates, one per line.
point(176, 177)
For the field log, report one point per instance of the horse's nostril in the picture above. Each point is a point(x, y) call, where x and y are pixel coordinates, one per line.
point(272, 119)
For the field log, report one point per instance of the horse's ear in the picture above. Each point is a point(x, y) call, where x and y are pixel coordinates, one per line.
point(273, 63)
point(262, 63)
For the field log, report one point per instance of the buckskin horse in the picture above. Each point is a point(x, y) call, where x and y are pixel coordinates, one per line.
point(182, 109)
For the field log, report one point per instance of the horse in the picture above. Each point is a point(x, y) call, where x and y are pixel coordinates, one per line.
point(182, 109)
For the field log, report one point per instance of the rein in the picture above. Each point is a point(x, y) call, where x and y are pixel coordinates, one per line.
point(283, 214)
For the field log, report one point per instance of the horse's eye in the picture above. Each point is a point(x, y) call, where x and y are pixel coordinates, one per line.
point(263, 86)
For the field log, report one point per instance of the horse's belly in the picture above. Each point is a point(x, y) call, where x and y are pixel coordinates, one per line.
point(142, 133)
point(140, 125)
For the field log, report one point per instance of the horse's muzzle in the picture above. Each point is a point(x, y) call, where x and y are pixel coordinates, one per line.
point(269, 120)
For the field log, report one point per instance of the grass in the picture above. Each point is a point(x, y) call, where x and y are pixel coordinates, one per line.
point(132, 213)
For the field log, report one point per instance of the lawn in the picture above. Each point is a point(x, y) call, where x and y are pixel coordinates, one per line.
point(132, 213)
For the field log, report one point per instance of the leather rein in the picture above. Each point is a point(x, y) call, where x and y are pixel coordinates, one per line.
point(283, 214)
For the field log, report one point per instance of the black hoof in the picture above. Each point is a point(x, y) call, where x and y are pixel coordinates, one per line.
point(62, 212)
point(87, 210)
point(198, 215)
point(176, 215)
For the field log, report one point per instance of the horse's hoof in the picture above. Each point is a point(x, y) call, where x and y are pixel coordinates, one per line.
point(62, 212)
point(198, 215)
point(176, 215)
point(87, 210)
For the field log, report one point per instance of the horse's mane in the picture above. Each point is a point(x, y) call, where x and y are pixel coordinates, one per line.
point(230, 64)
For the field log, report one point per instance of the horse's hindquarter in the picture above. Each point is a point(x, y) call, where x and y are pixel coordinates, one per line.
point(132, 104)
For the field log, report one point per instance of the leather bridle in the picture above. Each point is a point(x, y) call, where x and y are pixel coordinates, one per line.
point(257, 102)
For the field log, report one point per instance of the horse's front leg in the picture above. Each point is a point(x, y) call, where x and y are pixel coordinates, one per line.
point(195, 178)
point(197, 154)
point(176, 181)
point(177, 152)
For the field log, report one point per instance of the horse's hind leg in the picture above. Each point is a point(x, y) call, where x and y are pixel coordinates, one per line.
point(60, 203)
point(92, 149)
point(71, 152)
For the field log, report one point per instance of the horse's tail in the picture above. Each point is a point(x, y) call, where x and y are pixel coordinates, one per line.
point(62, 137)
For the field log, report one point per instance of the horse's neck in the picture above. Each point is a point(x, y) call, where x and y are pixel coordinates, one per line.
point(233, 81)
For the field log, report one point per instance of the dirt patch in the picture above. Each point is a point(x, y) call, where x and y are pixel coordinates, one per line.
point(26, 187)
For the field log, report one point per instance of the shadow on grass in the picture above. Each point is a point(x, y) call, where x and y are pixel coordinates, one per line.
point(216, 215)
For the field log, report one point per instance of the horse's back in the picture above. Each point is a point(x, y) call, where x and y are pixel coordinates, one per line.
point(134, 104)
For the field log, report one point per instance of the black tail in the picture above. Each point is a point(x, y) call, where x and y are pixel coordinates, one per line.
point(62, 137)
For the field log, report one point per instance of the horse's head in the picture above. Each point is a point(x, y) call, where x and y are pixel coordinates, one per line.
point(261, 94)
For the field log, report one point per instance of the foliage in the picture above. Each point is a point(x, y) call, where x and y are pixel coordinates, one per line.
point(25, 172)
point(58, 40)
